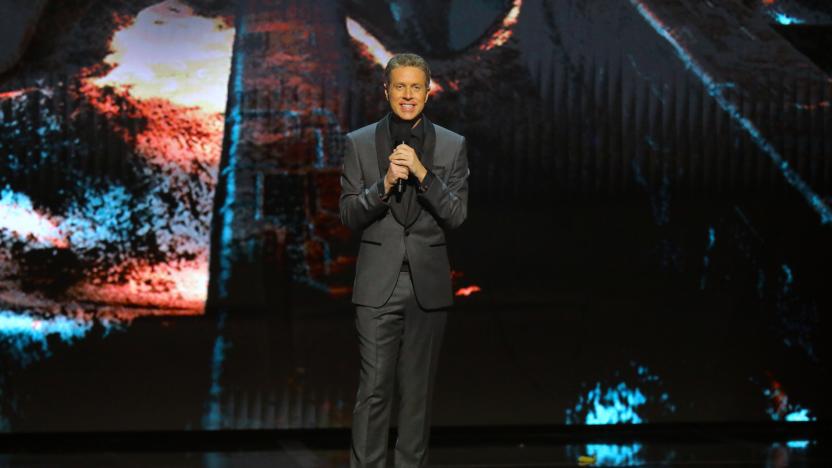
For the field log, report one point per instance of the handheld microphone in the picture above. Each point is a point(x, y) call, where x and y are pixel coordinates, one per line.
point(401, 135)
point(400, 182)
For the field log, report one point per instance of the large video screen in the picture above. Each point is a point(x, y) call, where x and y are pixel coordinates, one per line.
point(647, 240)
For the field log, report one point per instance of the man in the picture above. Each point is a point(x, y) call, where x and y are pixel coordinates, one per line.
point(401, 202)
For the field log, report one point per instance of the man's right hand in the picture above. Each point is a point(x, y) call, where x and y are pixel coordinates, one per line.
point(394, 173)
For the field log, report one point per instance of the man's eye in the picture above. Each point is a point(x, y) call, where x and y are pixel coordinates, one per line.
point(417, 88)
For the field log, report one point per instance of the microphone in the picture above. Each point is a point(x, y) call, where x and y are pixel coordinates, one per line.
point(400, 182)
point(401, 134)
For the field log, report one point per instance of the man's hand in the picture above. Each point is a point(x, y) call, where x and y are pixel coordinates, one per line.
point(394, 173)
point(405, 156)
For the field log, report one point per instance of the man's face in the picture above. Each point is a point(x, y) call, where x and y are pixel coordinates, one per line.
point(407, 92)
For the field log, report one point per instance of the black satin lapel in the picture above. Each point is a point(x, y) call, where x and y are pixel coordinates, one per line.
point(430, 144)
point(428, 147)
point(383, 145)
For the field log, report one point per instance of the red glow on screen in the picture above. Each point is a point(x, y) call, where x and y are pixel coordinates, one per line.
point(778, 396)
point(468, 290)
point(181, 285)
point(15, 93)
point(504, 32)
point(435, 88)
point(373, 49)
point(339, 291)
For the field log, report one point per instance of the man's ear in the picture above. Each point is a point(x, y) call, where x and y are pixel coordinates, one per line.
point(385, 92)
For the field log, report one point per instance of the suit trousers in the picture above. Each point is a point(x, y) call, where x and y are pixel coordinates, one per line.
point(399, 345)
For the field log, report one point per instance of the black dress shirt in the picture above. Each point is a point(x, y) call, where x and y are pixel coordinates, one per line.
point(416, 141)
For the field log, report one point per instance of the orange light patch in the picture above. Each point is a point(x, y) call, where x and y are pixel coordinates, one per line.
point(15, 93)
point(174, 285)
point(170, 53)
point(467, 291)
point(373, 48)
point(435, 88)
point(504, 32)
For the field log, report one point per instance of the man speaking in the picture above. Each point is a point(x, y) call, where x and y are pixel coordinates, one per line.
point(403, 185)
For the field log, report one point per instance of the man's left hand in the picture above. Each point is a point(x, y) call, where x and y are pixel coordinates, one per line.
point(404, 155)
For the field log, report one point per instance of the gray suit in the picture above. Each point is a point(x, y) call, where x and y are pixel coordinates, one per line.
point(399, 316)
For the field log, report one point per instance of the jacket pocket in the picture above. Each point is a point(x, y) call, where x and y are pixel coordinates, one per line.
point(363, 241)
point(438, 245)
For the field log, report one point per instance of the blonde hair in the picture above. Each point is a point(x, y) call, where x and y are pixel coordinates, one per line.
point(407, 60)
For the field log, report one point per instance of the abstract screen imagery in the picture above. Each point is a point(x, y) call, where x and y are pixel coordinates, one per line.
point(647, 239)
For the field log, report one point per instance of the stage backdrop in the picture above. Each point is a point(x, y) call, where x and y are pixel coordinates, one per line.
point(648, 235)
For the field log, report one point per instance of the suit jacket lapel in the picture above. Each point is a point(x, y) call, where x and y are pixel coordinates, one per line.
point(383, 144)
point(429, 144)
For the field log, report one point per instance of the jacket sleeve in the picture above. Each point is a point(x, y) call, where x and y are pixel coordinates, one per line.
point(449, 201)
point(359, 204)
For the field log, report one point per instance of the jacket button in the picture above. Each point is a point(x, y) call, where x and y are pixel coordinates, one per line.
point(407, 233)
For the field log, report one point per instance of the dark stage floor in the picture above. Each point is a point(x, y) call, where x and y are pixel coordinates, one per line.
point(688, 445)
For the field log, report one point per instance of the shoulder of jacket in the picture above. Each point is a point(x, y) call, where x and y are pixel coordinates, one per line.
point(442, 132)
point(363, 132)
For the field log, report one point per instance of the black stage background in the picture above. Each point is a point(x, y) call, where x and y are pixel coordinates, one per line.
point(648, 238)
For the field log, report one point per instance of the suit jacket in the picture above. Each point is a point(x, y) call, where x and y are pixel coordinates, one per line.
point(384, 239)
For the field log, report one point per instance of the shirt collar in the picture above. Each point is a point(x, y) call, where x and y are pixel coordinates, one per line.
point(418, 131)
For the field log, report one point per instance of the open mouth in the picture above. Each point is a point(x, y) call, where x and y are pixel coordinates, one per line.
point(407, 107)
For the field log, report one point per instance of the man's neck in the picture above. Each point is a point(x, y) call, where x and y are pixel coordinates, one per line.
point(413, 123)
